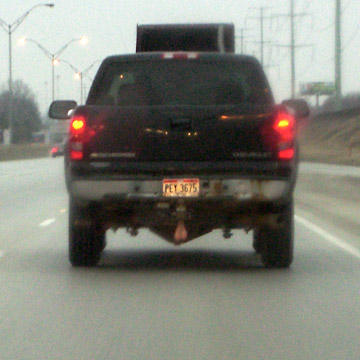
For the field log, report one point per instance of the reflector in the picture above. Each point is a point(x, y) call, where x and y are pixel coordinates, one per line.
point(76, 155)
point(287, 154)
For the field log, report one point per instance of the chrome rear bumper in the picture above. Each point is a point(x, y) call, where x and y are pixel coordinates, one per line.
point(236, 189)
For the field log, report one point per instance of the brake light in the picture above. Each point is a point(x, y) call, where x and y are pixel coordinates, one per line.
point(77, 126)
point(284, 126)
point(279, 136)
point(79, 134)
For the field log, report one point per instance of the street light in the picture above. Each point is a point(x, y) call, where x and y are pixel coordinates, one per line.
point(54, 57)
point(10, 28)
point(79, 75)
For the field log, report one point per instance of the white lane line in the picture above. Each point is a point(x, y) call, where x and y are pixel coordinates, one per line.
point(46, 222)
point(331, 238)
point(2, 253)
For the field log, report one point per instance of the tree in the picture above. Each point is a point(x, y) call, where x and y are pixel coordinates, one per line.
point(329, 104)
point(352, 100)
point(349, 101)
point(26, 112)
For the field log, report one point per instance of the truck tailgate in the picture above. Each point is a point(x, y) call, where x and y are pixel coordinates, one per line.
point(176, 134)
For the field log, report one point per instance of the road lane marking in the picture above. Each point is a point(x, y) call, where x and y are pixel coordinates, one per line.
point(46, 222)
point(2, 253)
point(329, 237)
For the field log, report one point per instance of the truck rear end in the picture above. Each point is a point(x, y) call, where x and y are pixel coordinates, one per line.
point(182, 143)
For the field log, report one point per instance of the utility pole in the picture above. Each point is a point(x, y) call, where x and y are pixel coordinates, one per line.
point(292, 15)
point(262, 42)
point(242, 39)
point(292, 47)
point(262, 36)
point(338, 85)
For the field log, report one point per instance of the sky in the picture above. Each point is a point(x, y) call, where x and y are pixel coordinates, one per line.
point(110, 27)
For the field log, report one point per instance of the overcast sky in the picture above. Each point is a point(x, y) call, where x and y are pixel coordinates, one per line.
point(111, 25)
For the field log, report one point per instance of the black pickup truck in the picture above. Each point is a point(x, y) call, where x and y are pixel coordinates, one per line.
point(181, 143)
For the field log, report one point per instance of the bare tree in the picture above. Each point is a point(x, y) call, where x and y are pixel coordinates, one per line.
point(349, 101)
point(26, 112)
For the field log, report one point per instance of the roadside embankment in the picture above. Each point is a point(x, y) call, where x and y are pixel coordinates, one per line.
point(331, 140)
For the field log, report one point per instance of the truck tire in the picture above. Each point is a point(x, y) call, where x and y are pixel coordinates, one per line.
point(86, 236)
point(277, 245)
point(257, 241)
point(66, 170)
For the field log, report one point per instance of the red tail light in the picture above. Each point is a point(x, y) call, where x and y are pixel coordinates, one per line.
point(287, 154)
point(280, 136)
point(77, 125)
point(79, 133)
point(284, 126)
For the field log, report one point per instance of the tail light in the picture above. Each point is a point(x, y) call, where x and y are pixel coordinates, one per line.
point(79, 133)
point(280, 136)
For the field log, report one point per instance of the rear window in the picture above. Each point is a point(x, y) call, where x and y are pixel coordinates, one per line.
point(189, 82)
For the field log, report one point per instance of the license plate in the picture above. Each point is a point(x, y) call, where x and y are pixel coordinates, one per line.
point(181, 187)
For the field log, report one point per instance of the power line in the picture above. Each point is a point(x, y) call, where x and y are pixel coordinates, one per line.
point(352, 38)
point(242, 39)
point(262, 42)
point(292, 46)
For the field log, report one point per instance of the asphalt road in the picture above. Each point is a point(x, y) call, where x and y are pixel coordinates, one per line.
point(209, 299)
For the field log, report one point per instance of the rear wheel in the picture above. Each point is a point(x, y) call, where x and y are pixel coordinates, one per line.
point(277, 245)
point(86, 235)
point(257, 241)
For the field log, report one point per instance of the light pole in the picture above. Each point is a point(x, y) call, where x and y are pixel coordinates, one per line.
point(54, 57)
point(10, 28)
point(338, 49)
point(79, 75)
